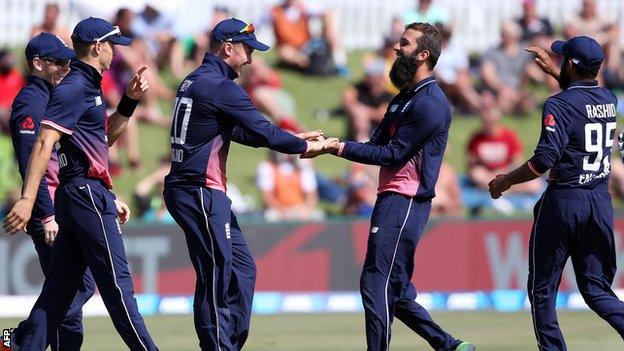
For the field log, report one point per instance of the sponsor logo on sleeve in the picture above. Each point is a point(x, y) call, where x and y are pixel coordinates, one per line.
point(549, 122)
point(28, 126)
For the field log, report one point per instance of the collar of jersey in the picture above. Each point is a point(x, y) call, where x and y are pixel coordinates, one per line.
point(217, 62)
point(40, 83)
point(92, 74)
point(422, 83)
point(584, 84)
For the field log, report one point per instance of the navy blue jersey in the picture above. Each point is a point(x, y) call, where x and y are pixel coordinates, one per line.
point(77, 109)
point(210, 110)
point(409, 142)
point(577, 135)
point(28, 108)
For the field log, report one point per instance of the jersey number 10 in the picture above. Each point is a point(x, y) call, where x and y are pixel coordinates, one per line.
point(598, 142)
point(181, 115)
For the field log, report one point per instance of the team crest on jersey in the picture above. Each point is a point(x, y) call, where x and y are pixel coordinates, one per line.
point(393, 108)
point(185, 85)
point(98, 100)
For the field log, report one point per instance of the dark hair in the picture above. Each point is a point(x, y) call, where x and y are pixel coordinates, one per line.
point(430, 40)
point(81, 48)
point(584, 73)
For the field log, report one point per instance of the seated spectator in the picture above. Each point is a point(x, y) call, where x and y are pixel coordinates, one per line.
point(365, 102)
point(147, 193)
point(537, 31)
point(264, 86)
point(453, 73)
point(155, 28)
point(533, 26)
point(297, 47)
point(447, 201)
point(590, 22)
point(11, 82)
point(389, 55)
point(427, 13)
point(288, 187)
point(127, 60)
point(495, 149)
point(50, 25)
point(362, 183)
point(504, 72)
point(613, 70)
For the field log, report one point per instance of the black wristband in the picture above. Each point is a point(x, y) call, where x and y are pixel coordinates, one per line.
point(127, 105)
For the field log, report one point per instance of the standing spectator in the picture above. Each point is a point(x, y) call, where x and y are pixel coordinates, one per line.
point(453, 73)
point(295, 43)
point(50, 25)
point(366, 102)
point(504, 72)
point(288, 187)
point(425, 12)
point(494, 149)
point(11, 82)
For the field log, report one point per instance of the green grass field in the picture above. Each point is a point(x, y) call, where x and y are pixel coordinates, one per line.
point(489, 331)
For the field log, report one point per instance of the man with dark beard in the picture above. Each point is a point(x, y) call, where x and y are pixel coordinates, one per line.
point(574, 217)
point(408, 145)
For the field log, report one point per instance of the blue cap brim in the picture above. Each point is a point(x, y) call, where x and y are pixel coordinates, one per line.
point(119, 40)
point(257, 45)
point(558, 47)
point(63, 54)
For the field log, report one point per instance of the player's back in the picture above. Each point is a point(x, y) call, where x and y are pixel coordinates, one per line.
point(200, 133)
point(583, 118)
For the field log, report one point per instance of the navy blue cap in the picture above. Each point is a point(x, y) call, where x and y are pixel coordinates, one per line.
point(583, 51)
point(48, 45)
point(93, 29)
point(237, 31)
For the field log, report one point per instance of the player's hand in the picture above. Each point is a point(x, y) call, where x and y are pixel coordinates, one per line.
point(544, 62)
point(320, 147)
point(498, 186)
point(50, 229)
point(123, 211)
point(313, 135)
point(138, 85)
point(19, 216)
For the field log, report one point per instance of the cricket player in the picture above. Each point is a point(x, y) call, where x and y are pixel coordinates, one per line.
point(86, 210)
point(409, 145)
point(48, 60)
point(574, 216)
point(211, 110)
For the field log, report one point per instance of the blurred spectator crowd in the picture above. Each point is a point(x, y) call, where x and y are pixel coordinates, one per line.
point(491, 87)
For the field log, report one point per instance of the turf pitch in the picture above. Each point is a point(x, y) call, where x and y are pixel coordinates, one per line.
point(489, 331)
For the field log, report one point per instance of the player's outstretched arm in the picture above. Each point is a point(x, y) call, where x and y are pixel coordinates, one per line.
point(21, 212)
point(502, 182)
point(135, 90)
point(544, 62)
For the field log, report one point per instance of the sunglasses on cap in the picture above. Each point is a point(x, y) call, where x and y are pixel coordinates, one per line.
point(115, 31)
point(248, 29)
point(55, 61)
